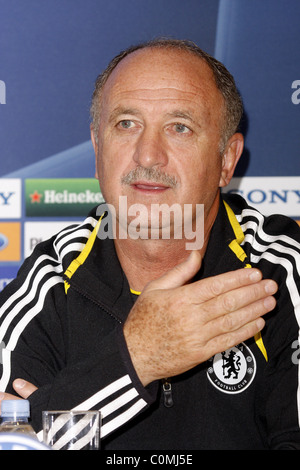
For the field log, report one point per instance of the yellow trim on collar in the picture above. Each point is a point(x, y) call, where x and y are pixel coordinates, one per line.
point(134, 292)
point(260, 345)
point(83, 255)
point(235, 246)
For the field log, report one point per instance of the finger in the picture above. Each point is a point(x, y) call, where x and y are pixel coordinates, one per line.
point(24, 388)
point(233, 321)
point(214, 286)
point(239, 298)
point(225, 341)
point(6, 396)
point(180, 274)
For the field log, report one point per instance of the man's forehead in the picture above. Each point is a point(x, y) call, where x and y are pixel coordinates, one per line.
point(163, 63)
point(162, 75)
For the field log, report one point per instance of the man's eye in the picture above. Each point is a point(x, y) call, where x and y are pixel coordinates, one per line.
point(181, 128)
point(126, 124)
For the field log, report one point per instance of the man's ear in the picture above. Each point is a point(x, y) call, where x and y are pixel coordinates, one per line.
point(230, 158)
point(94, 140)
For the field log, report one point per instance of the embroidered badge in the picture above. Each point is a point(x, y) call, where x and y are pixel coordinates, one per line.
point(232, 371)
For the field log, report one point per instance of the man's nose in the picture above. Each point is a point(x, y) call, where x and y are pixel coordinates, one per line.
point(151, 149)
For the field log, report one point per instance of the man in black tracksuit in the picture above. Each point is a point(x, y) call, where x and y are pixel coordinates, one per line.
point(84, 329)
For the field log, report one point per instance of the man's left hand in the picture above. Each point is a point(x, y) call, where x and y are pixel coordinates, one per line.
point(23, 388)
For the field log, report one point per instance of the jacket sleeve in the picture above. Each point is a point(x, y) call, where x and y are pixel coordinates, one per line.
point(275, 249)
point(281, 377)
point(34, 338)
point(278, 397)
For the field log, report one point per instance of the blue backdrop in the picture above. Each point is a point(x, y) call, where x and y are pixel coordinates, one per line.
point(51, 53)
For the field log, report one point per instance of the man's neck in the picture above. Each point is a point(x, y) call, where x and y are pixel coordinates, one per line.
point(144, 260)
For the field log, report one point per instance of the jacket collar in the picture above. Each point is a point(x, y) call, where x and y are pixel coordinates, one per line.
point(224, 252)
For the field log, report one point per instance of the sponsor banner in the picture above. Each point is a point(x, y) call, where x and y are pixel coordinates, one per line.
point(37, 232)
point(10, 241)
point(270, 195)
point(71, 197)
point(10, 198)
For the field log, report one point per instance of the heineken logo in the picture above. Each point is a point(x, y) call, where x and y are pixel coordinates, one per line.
point(61, 197)
point(66, 197)
point(36, 197)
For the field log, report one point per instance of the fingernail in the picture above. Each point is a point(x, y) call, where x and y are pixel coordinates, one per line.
point(269, 303)
point(260, 323)
point(19, 383)
point(271, 287)
point(255, 276)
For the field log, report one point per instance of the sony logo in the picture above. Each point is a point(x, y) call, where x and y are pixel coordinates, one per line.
point(5, 197)
point(280, 194)
point(2, 92)
point(272, 196)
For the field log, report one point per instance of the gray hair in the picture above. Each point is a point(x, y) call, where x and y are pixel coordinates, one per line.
point(223, 80)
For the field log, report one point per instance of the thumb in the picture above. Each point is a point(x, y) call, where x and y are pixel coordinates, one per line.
point(24, 388)
point(180, 274)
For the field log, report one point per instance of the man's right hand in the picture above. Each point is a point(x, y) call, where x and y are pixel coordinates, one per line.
point(175, 325)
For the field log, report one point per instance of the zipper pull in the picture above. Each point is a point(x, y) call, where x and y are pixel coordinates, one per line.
point(167, 391)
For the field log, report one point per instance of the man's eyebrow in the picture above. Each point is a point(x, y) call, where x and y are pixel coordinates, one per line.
point(180, 114)
point(122, 110)
point(177, 114)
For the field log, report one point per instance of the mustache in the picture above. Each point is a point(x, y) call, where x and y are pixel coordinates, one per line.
point(150, 175)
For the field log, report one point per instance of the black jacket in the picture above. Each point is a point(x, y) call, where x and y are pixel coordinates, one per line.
point(61, 324)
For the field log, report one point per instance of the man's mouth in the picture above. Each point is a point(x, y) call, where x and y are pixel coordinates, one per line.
point(149, 180)
point(149, 186)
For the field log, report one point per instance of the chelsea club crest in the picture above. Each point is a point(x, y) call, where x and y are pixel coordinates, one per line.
point(233, 370)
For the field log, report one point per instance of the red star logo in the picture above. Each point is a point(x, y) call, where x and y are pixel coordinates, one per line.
point(35, 197)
